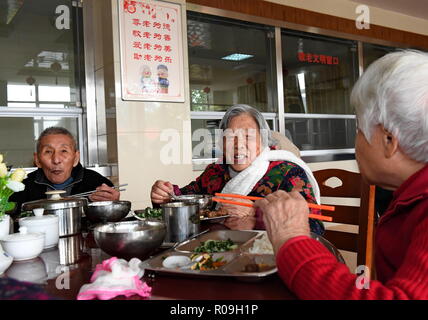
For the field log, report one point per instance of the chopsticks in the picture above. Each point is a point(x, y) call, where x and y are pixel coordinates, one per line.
point(238, 196)
point(87, 193)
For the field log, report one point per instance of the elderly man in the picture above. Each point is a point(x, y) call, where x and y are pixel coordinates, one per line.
point(57, 159)
point(391, 102)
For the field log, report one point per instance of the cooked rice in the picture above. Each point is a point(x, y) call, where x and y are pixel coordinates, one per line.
point(262, 245)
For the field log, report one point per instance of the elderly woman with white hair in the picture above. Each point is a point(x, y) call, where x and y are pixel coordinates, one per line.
point(249, 166)
point(391, 103)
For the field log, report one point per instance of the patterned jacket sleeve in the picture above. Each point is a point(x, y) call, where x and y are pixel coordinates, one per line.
point(197, 186)
point(295, 178)
point(292, 178)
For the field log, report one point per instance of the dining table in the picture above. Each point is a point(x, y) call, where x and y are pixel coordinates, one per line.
point(69, 266)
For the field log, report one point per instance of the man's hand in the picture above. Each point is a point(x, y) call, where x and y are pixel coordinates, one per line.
point(105, 193)
point(285, 216)
point(161, 191)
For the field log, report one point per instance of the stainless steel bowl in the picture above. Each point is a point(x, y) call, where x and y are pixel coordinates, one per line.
point(203, 200)
point(329, 246)
point(107, 211)
point(130, 239)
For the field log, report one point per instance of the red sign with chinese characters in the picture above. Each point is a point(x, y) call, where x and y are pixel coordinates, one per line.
point(317, 58)
point(152, 51)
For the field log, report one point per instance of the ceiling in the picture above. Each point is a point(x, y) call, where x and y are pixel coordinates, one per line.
point(414, 8)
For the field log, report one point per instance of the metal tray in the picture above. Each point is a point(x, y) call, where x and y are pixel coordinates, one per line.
point(237, 264)
point(214, 219)
point(239, 237)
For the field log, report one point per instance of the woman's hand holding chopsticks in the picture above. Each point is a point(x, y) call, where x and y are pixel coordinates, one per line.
point(285, 216)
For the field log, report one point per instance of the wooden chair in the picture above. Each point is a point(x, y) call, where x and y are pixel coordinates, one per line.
point(364, 216)
point(283, 143)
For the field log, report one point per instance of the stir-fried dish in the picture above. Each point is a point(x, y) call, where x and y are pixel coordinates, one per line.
point(211, 246)
point(213, 213)
point(154, 213)
point(206, 262)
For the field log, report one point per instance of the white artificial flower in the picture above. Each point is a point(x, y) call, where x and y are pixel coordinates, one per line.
point(18, 175)
point(1, 158)
point(15, 186)
point(3, 170)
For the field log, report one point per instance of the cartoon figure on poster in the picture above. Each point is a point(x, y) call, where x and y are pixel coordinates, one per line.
point(163, 82)
point(148, 85)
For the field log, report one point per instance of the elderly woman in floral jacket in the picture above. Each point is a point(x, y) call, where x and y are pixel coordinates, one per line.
point(249, 166)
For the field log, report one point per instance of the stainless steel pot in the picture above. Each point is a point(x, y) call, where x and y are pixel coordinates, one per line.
point(181, 219)
point(68, 210)
point(204, 200)
point(70, 249)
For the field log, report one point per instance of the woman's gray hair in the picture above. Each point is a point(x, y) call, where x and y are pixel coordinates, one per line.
point(393, 92)
point(239, 109)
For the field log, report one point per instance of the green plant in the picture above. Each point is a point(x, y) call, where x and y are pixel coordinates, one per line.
point(10, 182)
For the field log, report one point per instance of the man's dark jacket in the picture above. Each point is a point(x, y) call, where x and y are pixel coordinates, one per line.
point(36, 184)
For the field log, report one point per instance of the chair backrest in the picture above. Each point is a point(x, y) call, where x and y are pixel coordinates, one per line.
point(283, 143)
point(352, 186)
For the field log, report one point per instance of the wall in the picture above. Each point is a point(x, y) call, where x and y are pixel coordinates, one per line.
point(139, 125)
point(346, 9)
point(313, 20)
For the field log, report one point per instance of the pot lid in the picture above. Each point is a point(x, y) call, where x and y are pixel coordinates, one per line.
point(55, 202)
point(23, 235)
point(39, 218)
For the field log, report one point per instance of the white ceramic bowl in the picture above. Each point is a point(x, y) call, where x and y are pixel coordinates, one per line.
point(47, 224)
point(52, 262)
point(5, 261)
point(23, 245)
point(4, 226)
point(33, 271)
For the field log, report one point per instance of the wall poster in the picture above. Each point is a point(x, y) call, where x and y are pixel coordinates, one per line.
point(151, 48)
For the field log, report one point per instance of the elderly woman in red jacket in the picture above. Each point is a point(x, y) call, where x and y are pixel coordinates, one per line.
point(391, 102)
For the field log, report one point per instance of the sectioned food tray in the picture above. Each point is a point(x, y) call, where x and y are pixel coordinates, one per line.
point(239, 262)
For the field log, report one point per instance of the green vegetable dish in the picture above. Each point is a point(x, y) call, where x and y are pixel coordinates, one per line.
point(154, 213)
point(210, 246)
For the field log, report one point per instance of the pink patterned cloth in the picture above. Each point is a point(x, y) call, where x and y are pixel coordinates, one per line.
point(115, 277)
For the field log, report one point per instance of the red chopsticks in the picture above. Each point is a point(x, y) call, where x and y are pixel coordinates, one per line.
point(238, 196)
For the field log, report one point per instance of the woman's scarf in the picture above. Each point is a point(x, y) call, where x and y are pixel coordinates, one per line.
point(245, 181)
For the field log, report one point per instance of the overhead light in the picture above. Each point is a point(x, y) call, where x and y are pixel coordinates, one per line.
point(237, 56)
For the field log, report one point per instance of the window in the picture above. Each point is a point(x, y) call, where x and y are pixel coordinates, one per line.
point(319, 73)
point(24, 129)
point(372, 52)
point(39, 77)
point(323, 133)
point(229, 63)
